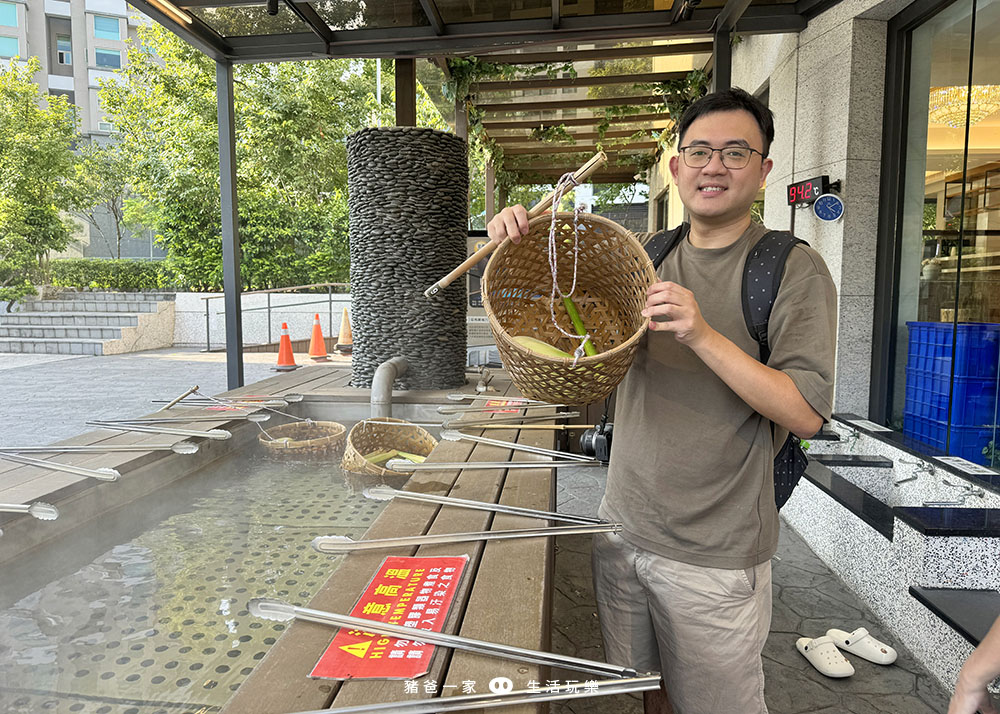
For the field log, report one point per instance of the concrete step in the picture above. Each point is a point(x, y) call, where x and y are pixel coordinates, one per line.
point(115, 296)
point(90, 306)
point(51, 346)
point(76, 319)
point(61, 332)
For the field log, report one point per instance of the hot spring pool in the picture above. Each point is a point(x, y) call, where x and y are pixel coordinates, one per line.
point(143, 611)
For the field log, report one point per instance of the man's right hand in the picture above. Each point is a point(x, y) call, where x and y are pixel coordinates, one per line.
point(511, 222)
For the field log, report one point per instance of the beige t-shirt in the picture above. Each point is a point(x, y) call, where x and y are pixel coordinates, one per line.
point(691, 473)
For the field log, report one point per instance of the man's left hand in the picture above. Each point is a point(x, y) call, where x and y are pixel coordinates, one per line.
point(672, 308)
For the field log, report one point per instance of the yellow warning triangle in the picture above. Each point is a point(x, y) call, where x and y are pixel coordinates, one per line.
point(358, 649)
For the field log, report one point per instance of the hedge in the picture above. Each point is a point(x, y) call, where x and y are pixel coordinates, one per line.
point(109, 274)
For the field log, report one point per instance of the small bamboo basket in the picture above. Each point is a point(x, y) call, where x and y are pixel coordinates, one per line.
point(367, 437)
point(301, 437)
point(613, 274)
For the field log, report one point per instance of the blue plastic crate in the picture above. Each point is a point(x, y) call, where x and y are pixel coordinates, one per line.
point(977, 353)
point(966, 441)
point(974, 402)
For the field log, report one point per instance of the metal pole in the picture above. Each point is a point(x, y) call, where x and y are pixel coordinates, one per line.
point(269, 318)
point(722, 71)
point(329, 317)
point(208, 328)
point(230, 224)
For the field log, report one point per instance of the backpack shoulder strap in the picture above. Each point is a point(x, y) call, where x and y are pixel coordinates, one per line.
point(661, 243)
point(762, 273)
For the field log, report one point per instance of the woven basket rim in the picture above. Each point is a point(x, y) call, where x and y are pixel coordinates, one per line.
point(508, 245)
point(288, 443)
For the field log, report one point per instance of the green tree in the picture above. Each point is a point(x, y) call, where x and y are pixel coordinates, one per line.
point(36, 159)
point(292, 120)
point(103, 183)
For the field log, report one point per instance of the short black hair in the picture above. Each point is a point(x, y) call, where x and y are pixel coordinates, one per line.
point(726, 101)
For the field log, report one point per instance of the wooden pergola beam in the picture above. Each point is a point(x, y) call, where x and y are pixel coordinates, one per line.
point(563, 82)
point(582, 136)
point(524, 106)
point(627, 176)
point(693, 48)
point(546, 149)
point(574, 121)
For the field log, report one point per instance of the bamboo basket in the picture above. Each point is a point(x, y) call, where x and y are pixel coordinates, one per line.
point(302, 437)
point(613, 274)
point(366, 438)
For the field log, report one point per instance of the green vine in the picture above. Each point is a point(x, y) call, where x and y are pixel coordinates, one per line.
point(678, 95)
point(552, 134)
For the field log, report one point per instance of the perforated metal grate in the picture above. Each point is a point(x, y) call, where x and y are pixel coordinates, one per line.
point(157, 624)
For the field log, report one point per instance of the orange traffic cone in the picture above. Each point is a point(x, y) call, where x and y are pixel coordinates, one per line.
point(286, 360)
point(345, 343)
point(317, 345)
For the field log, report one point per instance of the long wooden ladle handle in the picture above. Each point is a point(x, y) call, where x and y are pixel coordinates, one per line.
point(581, 175)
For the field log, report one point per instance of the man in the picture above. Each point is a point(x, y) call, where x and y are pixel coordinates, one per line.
point(686, 588)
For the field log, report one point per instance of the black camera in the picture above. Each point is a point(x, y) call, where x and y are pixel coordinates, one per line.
point(596, 442)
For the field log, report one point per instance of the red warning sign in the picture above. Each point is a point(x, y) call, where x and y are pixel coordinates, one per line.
point(504, 403)
point(409, 592)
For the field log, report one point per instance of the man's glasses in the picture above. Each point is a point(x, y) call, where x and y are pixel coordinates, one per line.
point(733, 157)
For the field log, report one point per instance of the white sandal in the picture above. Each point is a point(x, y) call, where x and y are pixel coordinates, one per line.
point(863, 645)
point(824, 656)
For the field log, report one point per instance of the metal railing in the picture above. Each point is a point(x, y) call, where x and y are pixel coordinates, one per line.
point(329, 300)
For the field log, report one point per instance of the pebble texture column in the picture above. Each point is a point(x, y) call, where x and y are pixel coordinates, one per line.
point(408, 196)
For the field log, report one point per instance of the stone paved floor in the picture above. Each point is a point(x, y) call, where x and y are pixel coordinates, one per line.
point(47, 398)
point(809, 599)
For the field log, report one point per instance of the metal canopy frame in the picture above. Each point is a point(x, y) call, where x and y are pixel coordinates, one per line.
point(500, 41)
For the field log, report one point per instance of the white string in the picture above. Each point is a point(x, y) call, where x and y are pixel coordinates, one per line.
point(566, 182)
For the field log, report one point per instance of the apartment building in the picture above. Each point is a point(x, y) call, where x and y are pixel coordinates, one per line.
point(79, 43)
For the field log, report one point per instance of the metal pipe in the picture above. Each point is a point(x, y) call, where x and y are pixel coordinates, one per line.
point(487, 410)
point(386, 493)
point(451, 435)
point(335, 545)
point(216, 434)
point(181, 447)
point(466, 702)
point(387, 373)
point(405, 466)
point(39, 509)
point(228, 416)
point(280, 611)
point(101, 474)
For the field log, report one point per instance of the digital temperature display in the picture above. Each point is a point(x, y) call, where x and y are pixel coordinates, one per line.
point(805, 192)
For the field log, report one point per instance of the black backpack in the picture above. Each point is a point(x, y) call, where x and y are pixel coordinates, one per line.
point(767, 257)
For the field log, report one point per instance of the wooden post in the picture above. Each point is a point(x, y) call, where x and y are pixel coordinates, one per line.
point(406, 92)
point(502, 203)
point(491, 192)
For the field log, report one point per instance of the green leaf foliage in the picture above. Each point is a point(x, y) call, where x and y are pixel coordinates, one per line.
point(292, 120)
point(36, 159)
point(98, 273)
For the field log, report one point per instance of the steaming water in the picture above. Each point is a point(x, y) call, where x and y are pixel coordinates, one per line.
point(144, 611)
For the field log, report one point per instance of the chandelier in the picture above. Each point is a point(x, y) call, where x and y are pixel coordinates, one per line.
point(948, 104)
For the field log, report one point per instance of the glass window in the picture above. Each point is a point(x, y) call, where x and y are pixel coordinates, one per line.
point(948, 331)
point(111, 59)
point(8, 14)
point(106, 28)
point(9, 47)
point(64, 49)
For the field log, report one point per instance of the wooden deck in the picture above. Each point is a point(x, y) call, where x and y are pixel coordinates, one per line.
point(505, 595)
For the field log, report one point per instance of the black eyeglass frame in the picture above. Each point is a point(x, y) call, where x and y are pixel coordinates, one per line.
point(683, 152)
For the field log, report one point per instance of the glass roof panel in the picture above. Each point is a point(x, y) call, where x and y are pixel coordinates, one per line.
point(571, 8)
point(246, 20)
point(490, 10)
point(358, 14)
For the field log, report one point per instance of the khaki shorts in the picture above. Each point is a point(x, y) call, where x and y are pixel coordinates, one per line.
point(702, 628)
